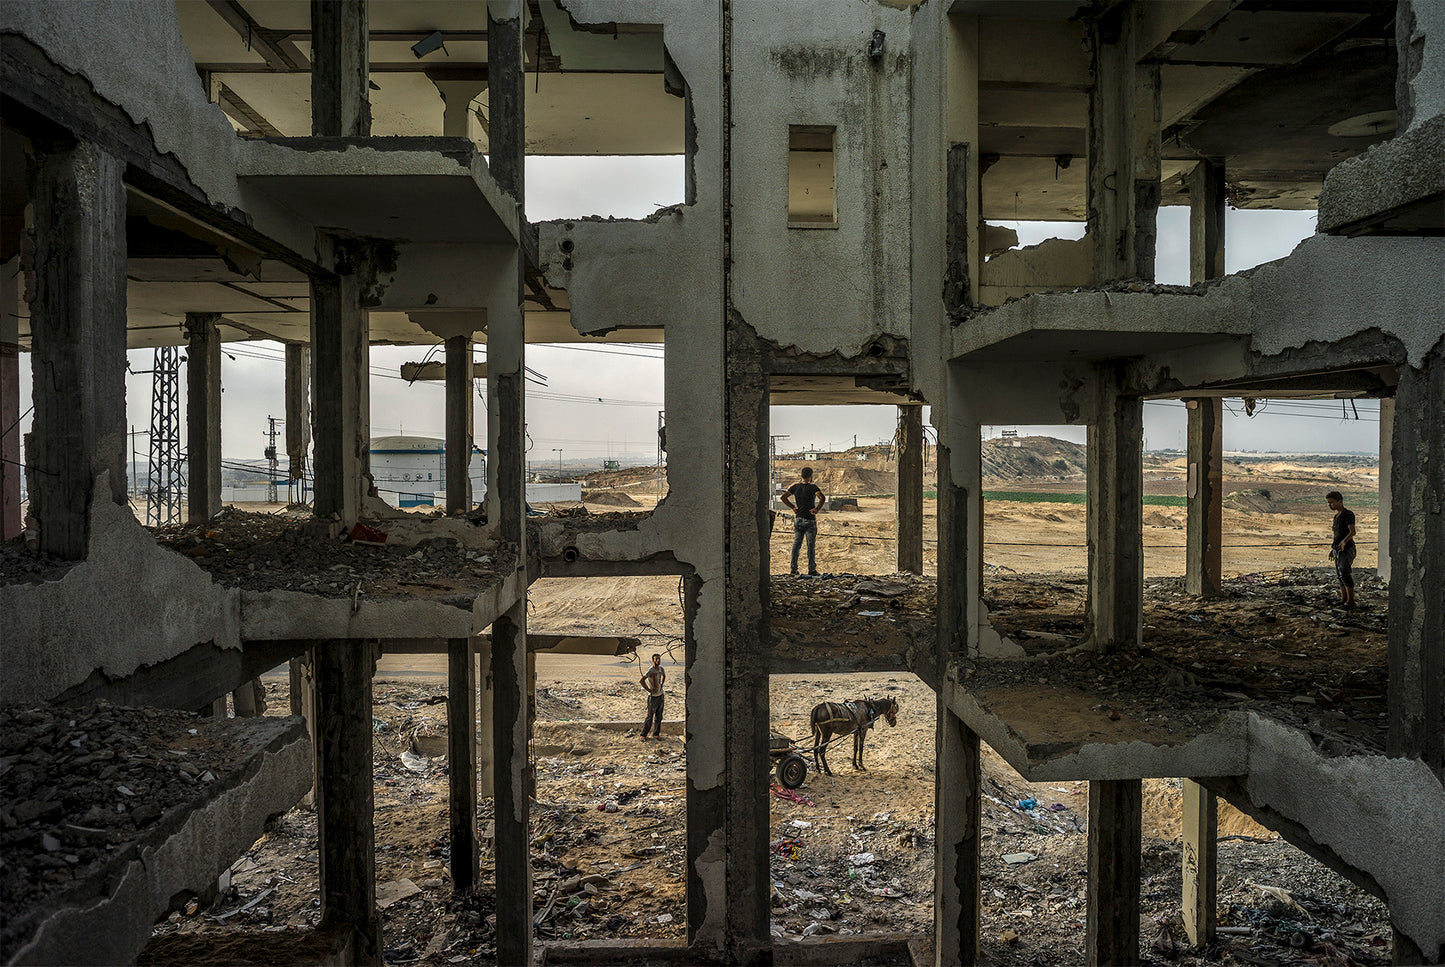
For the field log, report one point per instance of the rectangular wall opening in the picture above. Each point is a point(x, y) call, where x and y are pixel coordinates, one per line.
point(812, 201)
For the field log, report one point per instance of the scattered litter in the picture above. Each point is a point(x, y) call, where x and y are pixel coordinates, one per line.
point(1018, 859)
point(871, 614)
point(1028, 803)
point(862, 859)
point(415, 763)
point(393, 890)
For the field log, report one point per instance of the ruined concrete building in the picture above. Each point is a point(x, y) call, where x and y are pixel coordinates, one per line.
point(197, 173)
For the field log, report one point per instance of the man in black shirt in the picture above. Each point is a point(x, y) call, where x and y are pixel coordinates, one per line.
point(805, 522)
point(1342, 551)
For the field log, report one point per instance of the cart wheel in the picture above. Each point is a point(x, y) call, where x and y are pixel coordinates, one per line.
point(792, 770)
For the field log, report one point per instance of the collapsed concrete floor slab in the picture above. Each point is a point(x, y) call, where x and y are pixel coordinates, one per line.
point(114, 812)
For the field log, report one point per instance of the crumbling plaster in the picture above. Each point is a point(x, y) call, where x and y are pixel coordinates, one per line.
point(1405, 170)
point(1420, 43)
point(100, 40)
point(107, 918)
point(129, 604)
point(1329, 289)
point(1385, 816)
point(787, 279)
point(1055, 263)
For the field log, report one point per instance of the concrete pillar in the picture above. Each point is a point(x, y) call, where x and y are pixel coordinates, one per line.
point(203, 415)
point(340, 69)
point(462, 761)
point(1201, 820)
point(459, 424)
point(303, 703)
point(1123, 145)
point(1416, 697)
point(744, 697)
point(1207, 197)
point(910, 489)
point(298, 411)
point(513, 787)
point(1204, 530)
point(506, 128)
point(249, 700)
point(486, 731)
point(78, 338)
point(1116, 518)
point(706, 805)
point(1387, 436)
point(506, 505)
point(11, 470)
point(458, 88)
point(344, 799)
point(956, 898)
point(1115, 840)
point(340, 370)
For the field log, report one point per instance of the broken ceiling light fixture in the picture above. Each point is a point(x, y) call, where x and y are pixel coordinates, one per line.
point(430, 43)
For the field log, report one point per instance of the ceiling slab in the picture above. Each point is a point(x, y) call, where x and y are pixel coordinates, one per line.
point(613, 114)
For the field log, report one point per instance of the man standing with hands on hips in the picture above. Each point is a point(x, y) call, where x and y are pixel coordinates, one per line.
point(1342, 550)
point(652, 681)
point(805, 524)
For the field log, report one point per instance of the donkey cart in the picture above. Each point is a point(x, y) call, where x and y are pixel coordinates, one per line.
point(791, 768)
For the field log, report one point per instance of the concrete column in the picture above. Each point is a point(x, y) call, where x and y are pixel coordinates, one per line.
point(340, 369)
point(486, 731)
point(462, 761)
point(298, 409)
point(1201, 820)
point(910, 489)
point(249, 700)
point(340, 69)
point(956, 896)
point(78, 338)
point(1115, 839)
point(458, 88)
point(459, 424)
point(1387, 436)
point(303, 703)
point(744, 697)
point(1207, 197)
point(513, 787)
point(506, 134)
point(506, 506)
point(1123, 140)
point(706, 806)
point(203, 414)
point(11, 470)
point(1416, 697)
point(344, 799)
point(1204, 531)
point(1116, 519)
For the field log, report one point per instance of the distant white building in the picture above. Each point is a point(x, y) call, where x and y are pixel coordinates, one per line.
point(410, 471)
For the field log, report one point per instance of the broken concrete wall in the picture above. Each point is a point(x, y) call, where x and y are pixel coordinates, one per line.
point(672, 264)
point(1385, 816)
point(1420, 46)
point(130, 603)
point(134, 56)
point(1052, 265)
point(854, 277)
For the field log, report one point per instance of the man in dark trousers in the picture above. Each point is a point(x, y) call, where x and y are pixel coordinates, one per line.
point(1342, 551)
point(805, 521)
point(652, 681)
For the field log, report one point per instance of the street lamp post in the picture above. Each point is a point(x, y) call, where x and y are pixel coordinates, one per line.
point(558, 451)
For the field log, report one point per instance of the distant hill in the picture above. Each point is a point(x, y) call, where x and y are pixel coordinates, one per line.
point(1032, 457)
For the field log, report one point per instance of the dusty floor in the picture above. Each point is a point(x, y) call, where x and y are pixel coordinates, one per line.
point(852, 852)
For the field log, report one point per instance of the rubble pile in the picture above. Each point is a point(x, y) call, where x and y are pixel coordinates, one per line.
point(21, 562)
point(1275, 643)
point(841, 616)
point(82, 784)
point(268, 552)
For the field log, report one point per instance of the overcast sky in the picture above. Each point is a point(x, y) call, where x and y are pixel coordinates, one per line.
point(566, 414)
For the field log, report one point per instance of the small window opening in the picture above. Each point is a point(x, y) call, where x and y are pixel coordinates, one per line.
point(811, 198)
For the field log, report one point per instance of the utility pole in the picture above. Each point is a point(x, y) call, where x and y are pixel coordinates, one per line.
point(271, 496)
point(164, 506)
point(558, 451)
point(773, 462)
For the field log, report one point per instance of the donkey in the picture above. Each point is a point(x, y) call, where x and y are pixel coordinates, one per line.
point(835, 718)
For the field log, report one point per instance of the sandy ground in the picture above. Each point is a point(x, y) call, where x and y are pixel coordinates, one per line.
point(853, 852)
